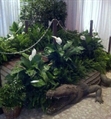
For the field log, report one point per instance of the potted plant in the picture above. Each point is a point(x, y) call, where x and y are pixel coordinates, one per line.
point(1, 110)
point(12, 96)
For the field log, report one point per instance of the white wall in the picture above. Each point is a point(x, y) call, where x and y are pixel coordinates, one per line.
point(9, 12)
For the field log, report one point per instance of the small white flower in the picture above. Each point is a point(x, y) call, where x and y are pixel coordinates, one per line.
point(32, 54)
point(20, 24)
point(96, 36)
point(11, 37)
point(49, 23)
point(30, 58)
point(38, 29)
point(58, 39)
point(26, 13)
point(23, 32)
point(35, 81)
point(99, 41)
point(82, 37)
point(9, 34)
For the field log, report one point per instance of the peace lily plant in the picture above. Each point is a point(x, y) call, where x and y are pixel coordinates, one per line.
point(32, 54)
point(57, 39)
point(39, 75)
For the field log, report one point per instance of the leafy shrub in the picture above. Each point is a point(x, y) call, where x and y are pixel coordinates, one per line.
point(41, 11)
point(12, 94)
point(18, 40)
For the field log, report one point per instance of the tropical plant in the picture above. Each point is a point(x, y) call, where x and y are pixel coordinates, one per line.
point(93, 56)
point(22, 40)
point(94, 51)
point(18, 40)
point(63, 57)
point(33, 68)
point(39, 75)
point(41, 71)
point(4, 47)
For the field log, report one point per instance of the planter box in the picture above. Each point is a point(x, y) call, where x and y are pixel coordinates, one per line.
point(92, 78)
point(1, 111)
point(11, 113)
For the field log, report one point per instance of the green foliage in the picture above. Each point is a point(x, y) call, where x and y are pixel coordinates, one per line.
point(73, 36)
point(90, 45)
point(17, 28)
point(4, 47)
point(24, 40)
point(101, 60)
point(61, 60)
point(19, 40)
point(108, 65)
point(59, 63)
point(44, 10)
point(12, 94)
point(93, 55)
point(38, 75)
point(38, 71)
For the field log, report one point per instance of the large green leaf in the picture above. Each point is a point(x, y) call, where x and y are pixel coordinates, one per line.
point(74, 50)
point(43, 75)
point(67, 45)
point(48, 50)
point(16, 70)
point(25, 63)
point(46, 67)
point(14, 27)
point(25, 55)
point(30, 72)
